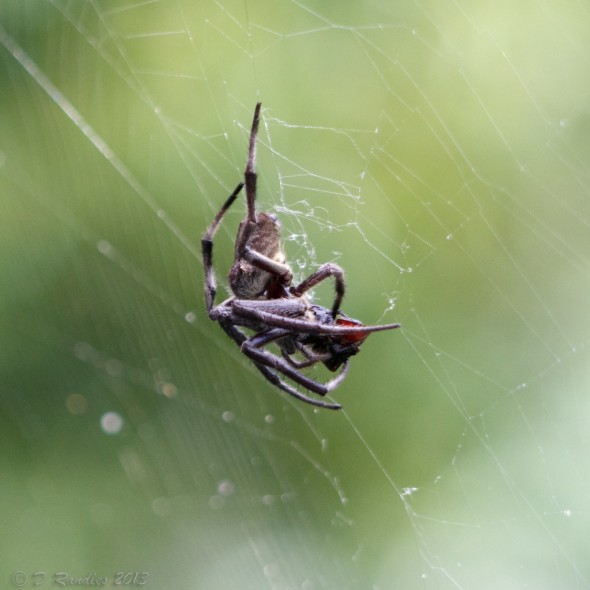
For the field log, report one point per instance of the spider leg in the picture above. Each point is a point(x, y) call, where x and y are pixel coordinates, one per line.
point(240, 338)
point(278, 382)
point(253, 349)
point(321, 274)
point(312, 357)
point(248, 309)
point(250, 173)
point(207, 249)
point(288, 350)
point(278, 269)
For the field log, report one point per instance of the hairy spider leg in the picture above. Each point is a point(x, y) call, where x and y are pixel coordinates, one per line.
point(311, 357)
point(253, 348)
point(263, 363)
point(248, 309)
point(250, 173)
point(278, 382)
point(207, 249)
point(254, 225)
point(322, 273)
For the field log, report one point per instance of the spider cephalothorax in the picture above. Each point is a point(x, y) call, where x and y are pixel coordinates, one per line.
point(265, 302)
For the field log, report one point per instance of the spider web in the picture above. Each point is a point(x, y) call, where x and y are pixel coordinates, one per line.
point(438, 152)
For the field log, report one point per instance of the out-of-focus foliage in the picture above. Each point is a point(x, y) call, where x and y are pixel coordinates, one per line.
point(437, 151)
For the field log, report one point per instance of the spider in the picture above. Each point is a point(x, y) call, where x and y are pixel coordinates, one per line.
point(265, 302)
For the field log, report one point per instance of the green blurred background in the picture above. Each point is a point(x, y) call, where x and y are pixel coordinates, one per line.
point(438, 151)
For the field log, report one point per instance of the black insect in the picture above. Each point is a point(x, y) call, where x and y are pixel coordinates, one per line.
point(265, 302)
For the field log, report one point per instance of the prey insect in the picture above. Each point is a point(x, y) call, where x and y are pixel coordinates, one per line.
point(265, 302)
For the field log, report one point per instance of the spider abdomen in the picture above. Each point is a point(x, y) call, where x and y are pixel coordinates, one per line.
point(259, 258)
